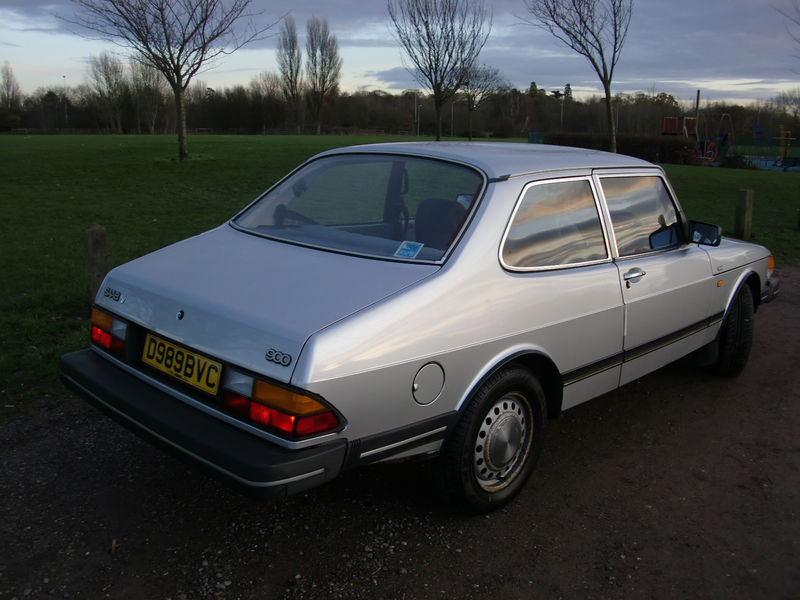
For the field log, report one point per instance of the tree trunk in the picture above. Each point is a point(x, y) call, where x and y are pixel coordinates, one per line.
point(612, 128)
point(316, 111)
point(180, 115)
point(438, 109)
point(469, 121)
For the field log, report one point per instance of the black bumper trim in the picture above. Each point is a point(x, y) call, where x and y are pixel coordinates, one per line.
point(253, 463)
point(770, 289)
point(383, 446)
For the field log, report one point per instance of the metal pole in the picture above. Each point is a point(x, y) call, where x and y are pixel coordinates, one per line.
point(66, 118)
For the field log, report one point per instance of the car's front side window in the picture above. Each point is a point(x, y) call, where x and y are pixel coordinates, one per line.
point(642, 213)
point(385, 206)
point(555, 224)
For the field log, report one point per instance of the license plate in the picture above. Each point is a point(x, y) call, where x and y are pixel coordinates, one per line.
point(180, 363)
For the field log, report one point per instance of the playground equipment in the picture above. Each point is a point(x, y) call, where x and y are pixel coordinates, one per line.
point(710, 148)
point(785, 140)
point(714, 149)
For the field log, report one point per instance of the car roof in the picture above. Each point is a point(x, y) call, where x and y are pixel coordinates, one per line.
point(502, 159)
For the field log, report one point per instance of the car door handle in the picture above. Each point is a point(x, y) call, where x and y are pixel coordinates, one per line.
point(633, 276)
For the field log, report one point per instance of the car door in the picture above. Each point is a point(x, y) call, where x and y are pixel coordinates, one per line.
point(666, 282)
point(558, 250)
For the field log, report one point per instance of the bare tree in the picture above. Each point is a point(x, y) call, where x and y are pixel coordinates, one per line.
point(10, 94)
point(107, 80)
point(442, 40)
point(267, 100)
point(789, 102)
point(267, 84)
point(595, 29)
point(792, 16)
point(323, 66)
point(482, 82)
point(290, 63)
point(148, 91)
point(177, 37)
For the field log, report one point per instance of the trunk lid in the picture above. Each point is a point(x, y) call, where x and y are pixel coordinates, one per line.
point(236, 296)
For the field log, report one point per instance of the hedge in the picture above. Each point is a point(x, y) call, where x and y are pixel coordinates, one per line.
point(664, 149)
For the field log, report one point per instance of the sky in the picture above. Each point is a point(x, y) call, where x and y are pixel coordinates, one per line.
point(732, 50)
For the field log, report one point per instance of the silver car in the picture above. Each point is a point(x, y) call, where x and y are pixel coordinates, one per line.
point(426, 300)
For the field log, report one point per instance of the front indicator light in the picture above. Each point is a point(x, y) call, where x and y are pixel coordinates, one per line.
point(770, 266)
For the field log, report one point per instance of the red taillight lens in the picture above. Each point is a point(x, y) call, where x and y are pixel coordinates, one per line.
point(236, 404)
point(101, 337)
point(260, 413)
point(282, 410)
point(282, 421)
point(316, 423)
point(103, 328)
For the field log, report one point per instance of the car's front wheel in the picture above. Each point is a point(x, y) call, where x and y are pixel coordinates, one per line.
point(496, 442)
point(736, 334)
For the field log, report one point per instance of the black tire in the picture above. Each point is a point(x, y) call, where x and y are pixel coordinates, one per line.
point(736, 334)
point(494, 446)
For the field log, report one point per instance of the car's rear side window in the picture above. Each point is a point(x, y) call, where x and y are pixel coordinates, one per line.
point(387, 206)
point(556, 224)
point(642, 212)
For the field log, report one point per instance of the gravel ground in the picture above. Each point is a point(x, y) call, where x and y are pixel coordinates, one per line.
point(680, 485)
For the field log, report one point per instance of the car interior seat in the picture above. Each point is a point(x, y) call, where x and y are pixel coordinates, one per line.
point(437, 222)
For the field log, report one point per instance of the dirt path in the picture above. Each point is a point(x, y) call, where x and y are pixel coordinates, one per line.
point(680, 485)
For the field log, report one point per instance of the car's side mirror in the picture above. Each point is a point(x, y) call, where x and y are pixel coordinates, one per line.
point(705, 233)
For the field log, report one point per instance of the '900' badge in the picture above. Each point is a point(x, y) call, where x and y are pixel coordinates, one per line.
point(113, 294)
point(278, 357)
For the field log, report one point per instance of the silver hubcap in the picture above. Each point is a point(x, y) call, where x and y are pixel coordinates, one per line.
point(502, 443)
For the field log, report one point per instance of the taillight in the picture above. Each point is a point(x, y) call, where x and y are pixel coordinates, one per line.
point(287, 412)
point(316, 423)
point(108, 332)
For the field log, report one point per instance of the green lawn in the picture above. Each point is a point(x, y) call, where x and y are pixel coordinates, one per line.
point(709, 194)
point(53, 187)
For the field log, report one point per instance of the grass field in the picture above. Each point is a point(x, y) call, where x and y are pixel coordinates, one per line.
point(709, 194)
point(53, 187)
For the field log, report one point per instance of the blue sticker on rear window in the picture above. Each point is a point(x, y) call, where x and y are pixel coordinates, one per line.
point(408, 250)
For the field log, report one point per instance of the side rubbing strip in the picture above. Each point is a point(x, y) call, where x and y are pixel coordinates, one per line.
point(614, 361)
point(593, 369)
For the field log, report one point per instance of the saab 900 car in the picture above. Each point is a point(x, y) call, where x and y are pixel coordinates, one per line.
point(434, 300)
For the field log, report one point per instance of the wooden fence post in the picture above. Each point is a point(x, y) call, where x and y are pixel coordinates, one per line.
point(743, 220)
point(96, 251)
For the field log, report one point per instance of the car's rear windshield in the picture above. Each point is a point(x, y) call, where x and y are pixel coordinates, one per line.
point(383, 206)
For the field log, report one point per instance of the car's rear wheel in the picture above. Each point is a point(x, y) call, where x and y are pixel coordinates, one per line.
point(495, 445)
point(736, 334)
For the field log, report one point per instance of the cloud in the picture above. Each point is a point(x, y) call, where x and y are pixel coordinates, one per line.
point(675, 47)
point(396, 78)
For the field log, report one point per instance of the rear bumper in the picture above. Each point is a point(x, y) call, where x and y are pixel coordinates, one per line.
point(260, 467)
